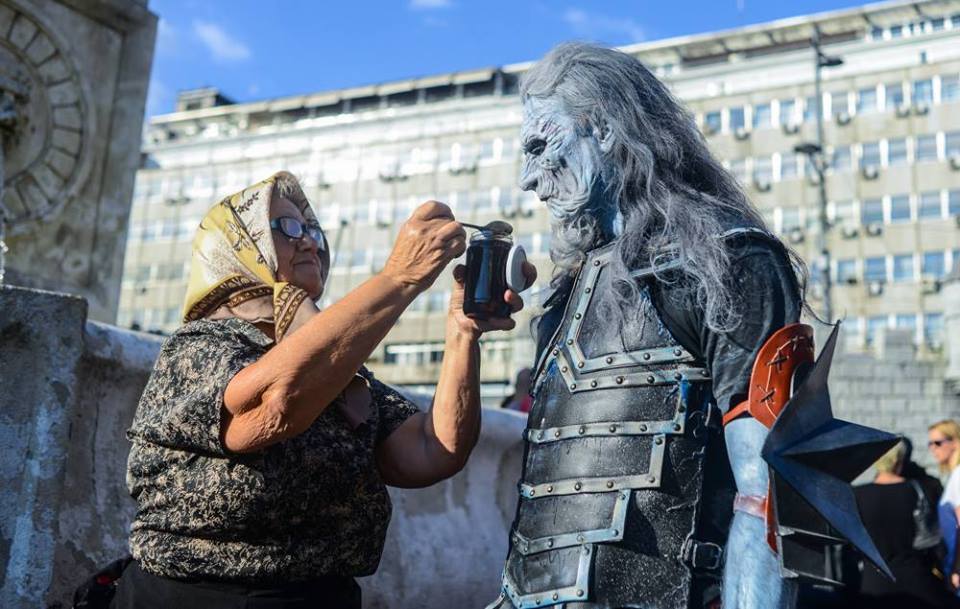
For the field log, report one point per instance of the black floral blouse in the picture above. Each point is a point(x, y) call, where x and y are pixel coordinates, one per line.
point(309, 506)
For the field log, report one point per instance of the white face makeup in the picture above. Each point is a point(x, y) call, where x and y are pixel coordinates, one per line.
point(562, 161)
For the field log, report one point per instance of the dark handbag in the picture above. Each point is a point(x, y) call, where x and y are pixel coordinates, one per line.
point(97, 591)
point(926, 527)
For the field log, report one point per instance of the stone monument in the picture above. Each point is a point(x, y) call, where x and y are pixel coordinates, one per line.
point(73, 83)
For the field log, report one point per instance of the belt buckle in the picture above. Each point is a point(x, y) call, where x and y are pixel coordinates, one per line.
point(702, 554)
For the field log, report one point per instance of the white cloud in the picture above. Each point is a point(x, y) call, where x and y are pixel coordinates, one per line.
point(222, 45)
point(166, 38)
point(421, 5)
point(594, 25)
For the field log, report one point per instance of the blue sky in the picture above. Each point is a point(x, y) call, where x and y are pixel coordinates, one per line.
point(256, 49)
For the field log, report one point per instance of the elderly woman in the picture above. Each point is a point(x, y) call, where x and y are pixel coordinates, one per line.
point(261, 445)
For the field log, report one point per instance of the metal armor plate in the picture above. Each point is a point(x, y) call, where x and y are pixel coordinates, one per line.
point(612, 492)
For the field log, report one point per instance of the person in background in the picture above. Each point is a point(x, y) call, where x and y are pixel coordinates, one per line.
point(931, 485)
point(942, 439)
point(520, 398)
point(887, 508)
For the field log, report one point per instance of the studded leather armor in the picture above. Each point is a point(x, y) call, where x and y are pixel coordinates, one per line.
point(625, 475)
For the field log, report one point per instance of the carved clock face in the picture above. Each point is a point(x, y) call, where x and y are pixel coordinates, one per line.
point(45, 157)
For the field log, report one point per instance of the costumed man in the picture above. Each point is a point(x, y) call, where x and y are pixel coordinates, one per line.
point(675, 311)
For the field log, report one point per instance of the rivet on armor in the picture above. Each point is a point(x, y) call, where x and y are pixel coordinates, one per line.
point(676, 427)
point(677, 376)
point(577, 316)
point(643, 428)
point(556, 434)
point(587, 290)
point(678, 352)
point(573, 386)
point(563, 369)
point(593, 383)
point(555, 596)
point(550, 543)
point(540, 436)
point(579, 592)
point(705, 373)
point(556, 352)
point(646, 356)
point(537, 601)
point(550, 489)
point(569, 341)
point(582, 430)
point(577, 486)
point(613, 428)
point(609, 483)
point(609, 359)
point(596, 263)
point(652, 479)
point(619, 380)
point(614, 532)
point(581, 538)
point(681, 408)
point(532, 492)
point(651, 379)
point(579, 364)
point(658, 441)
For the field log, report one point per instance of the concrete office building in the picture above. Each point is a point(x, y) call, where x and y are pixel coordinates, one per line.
point(367, 156)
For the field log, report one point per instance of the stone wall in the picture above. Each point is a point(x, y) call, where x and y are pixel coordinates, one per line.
point(74, 73)
point(68, 391)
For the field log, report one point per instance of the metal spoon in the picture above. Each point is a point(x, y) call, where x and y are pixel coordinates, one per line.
point(498, 227)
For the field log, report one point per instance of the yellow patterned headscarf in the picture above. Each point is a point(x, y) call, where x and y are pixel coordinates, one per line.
point(234, 263)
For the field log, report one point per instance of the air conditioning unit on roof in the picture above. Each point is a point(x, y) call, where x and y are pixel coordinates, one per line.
point(849, 231)
point(844, 118)
point(874, 229)
point(870, 172)
point(875, 288)
point(791, 128)
point(741, 133)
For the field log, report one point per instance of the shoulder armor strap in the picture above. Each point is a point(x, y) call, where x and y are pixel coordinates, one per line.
point(787, 351)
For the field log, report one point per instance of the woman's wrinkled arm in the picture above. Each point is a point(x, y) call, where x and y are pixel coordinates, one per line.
point(429, 447)
point(280, 395)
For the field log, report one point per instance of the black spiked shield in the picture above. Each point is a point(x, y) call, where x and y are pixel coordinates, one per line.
point(813, 458)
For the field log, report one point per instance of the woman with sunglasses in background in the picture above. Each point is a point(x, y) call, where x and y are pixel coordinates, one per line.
point(262, 445)
point(943, 440)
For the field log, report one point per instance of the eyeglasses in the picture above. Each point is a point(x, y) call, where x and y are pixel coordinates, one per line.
point(939, 443)
point(295, 229)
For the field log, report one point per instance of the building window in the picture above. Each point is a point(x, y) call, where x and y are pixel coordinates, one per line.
point(875, 269)
point(874, 324)
point(953, 203)
point(897, 151)
point(929, 205)
point(763, 169)
point(906, 321)
point(738, 168)
point(841, 158)
point(933, 328)
point(867, 100)
point(788, 165)
point(737, 120)
point(952, 144)
point(712, 122)
point(762, 116)
point(844, 213)
point(871, 212)
point(923, 91)
point(790, 219)
point(926, 149)
point(358, 258)
point(936, 24)
point(934, 264)
point(846, 270)
point(869, 154)
point(810, 109)
point(894, 95)
point(900, 208)
point(483, 202)
point(788, 111)
point(876, 33)
point(950, 88)
point(838, 103)
point(903, 268)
